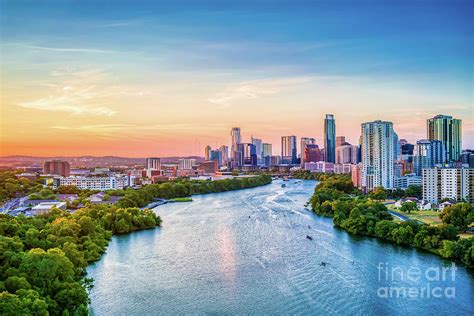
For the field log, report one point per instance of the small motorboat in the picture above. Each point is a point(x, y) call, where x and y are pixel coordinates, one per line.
point(323, 263)
point(309, 237)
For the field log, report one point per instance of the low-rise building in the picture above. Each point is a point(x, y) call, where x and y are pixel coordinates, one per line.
point(189, 172)
point(209, 167)
point(98, 183)
point(405, 181)
point(456, 184)
point(169, 171)
point(319, 166)
point(356, 175)
point(45, 207)
point(342, 168)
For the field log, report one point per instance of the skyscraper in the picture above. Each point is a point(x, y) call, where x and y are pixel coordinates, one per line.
point(207, 153)
point(236, 139)
point(288, 149)
point(377, 155)
point(258, 146)
point(249, 155)
point(266, 150)
point(216, 155)
point(396, 147)
point(448, 130)
point(406, 148)
point(303, 142)
point(330, 138)
point(258, 149)
point(428, 154)
point(224, 153)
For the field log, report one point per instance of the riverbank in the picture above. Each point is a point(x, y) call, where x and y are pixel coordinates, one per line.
point(43, 258)
point(336, 197)
point(184, 188)
point(68, 242)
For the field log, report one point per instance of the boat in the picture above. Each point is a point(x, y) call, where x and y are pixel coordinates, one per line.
point(323, 263)
point(309, 237)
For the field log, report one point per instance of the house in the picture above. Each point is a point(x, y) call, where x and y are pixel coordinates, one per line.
point(45, 207)
point(424, 205)
point(404, 200)
point(67, 197)
point(445, 204)
point(37, 202)
point(98, 198)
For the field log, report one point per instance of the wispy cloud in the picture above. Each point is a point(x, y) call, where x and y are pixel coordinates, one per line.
point(66, 104)
point(63, 49)
point(84, 92)
point(140, 129)
point(95, 128)
point(255, 89)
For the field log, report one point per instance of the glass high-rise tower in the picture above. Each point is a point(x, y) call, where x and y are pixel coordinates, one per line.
point(427, 154)
point(288, 149)
point(236, 139)
point(448, 130)
point(330, 138)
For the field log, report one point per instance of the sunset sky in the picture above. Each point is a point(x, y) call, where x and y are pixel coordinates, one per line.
point(144, 78)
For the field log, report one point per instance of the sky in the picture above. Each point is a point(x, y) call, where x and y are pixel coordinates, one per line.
point(150, 78)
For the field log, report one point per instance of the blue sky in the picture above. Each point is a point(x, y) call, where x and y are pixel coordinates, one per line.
point(396, 60)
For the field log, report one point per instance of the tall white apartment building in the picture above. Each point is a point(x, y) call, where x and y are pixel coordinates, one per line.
point(377, 155)
point(453, 183)
point(186, 163)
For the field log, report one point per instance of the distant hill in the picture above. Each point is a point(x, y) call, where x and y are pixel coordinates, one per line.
point(84, 161)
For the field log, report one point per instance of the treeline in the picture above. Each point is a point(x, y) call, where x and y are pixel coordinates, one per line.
point(184, 188)
point(380, 193)
point(12, 187)
point(43, 258)
point(308, 175)
point(336, 197)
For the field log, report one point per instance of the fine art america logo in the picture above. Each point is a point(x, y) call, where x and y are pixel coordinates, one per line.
point(415, 283)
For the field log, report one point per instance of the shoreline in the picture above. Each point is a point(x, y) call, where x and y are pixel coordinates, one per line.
point(360, 216)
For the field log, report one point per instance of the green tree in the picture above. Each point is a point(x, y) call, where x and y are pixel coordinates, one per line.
point(409, 206)
point(378, 194)
point(415, 191)
point(460, 215)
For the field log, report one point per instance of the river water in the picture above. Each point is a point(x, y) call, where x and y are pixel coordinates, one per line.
point(247, 252)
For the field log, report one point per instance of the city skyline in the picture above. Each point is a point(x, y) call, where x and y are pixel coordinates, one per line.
point(204, 150)
point(167, 79)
